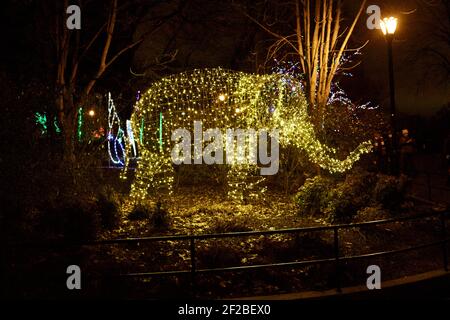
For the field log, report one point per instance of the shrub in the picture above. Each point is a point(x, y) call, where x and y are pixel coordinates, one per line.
point(349, 196)
point(341, 205)
point(82, 222)
point(159, 218)
point(341, 200)
point(108, 207)
point(141, 211)
point(371, 214)
point(70, 220)
point(389, 191)
point(359, 186)
point(313, 195)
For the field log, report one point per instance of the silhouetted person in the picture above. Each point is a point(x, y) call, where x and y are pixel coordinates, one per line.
point(407, 149)
point(380, 152)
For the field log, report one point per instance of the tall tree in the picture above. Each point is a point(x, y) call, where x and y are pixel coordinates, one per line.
point(433, 49)
point(74, 46)
point(318, 42)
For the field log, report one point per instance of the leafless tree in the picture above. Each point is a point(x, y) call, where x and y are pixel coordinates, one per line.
point(97, 51)
point(433, 49)
point(318, 42)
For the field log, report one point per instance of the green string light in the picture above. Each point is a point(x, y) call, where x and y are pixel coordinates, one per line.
point(55, 124)
point(141, 132)
point(80, 124)
point(41, 119)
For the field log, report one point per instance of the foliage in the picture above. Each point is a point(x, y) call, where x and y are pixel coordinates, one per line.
point(108, 206)
point(341, 199)
point(389, 191)
point(341, 207)
point(294, 169)
point(346, 123)
point(160, 217)
point(372, 213)
point(71, 220)
point(312, 196)
point(349, 196)
point(142, 210)
point(154, 213)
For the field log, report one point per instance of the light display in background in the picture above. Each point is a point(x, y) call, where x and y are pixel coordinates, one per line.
point(42, 123)
point(223, 99)
point(337, 94)
point(115, 135)
point(131, 137)
point(80, 124)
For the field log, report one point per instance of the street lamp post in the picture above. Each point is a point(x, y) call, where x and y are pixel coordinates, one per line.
point(388, 27)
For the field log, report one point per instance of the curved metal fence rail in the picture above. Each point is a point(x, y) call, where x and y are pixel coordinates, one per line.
point(337, 259)
point(430, 190)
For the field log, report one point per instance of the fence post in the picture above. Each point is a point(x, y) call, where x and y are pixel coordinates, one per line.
point(444, 236)
point(193, 266)
point(336, 256)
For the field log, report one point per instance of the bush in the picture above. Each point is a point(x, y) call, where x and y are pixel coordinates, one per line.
point(341, 205)
point(349, 196)
point(359, 186)
point(371, 214)
point(340, 201)
point(156, 215)
point(313, 195)
point(389, 191)
point(83, 222)
point(108, 207)
point(160, 217)
point(70, 220)
point(141, 211)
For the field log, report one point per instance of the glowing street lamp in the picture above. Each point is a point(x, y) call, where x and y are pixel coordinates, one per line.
point(91, 113)
point(388, 27)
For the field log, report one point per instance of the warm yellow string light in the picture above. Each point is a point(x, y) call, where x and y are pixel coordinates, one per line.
point(225, 99)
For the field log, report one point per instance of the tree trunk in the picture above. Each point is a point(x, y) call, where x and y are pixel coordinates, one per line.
point(68, 122)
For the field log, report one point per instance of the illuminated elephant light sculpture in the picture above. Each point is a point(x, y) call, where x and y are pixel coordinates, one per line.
point(223, 99)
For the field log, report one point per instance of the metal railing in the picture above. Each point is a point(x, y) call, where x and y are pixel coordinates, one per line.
point(430, 187)
point(337, 258)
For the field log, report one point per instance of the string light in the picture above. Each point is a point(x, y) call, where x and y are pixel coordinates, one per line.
point(55, 124)
point(228, 99)
point(80, 124)
point(116, 150)
point(131, 137)
point(41, 120)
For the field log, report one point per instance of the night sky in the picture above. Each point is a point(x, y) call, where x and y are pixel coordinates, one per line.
point(422, 84)
point(213, 33)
